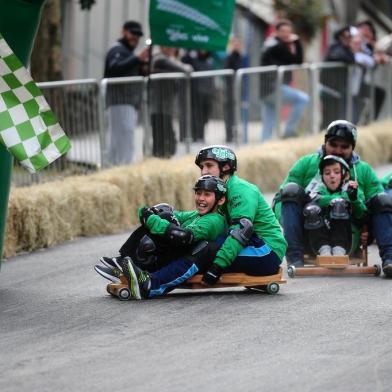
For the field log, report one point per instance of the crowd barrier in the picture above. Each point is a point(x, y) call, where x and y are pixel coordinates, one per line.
point(119, 121)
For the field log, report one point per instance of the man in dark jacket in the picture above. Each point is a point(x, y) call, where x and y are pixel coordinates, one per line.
point(123, 99)
point(284, 48)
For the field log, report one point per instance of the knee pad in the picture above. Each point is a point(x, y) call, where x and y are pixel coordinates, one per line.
point(177, 236)
point(293, 192)
point(243, 233)
point(166, 211)
point(313, 217)
point(380, 203)
point(203, 254)
point(339, 209)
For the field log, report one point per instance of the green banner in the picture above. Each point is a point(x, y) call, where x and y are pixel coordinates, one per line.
point(192, 24)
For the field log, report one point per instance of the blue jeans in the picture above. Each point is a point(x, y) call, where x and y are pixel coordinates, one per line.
point(292, 223)
point(381, 228)
point(297, 99)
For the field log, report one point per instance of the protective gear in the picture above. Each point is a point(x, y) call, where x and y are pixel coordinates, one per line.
point(178, 236)
point(144, 214)
point(390, 183)
point(164, 210)
point(380, 203)
point(203, 254)
point(342, 129)
point(212, 275)
point(339, 209)
point(293, 192)
point(146, 253)
point(221, 154)
point(313, 217)
point(213, 184)
point(243, 233)
point(352, 193)
point(329, 159)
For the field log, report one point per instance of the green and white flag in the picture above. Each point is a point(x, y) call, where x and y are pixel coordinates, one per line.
point(193, 24)
point(28, 127)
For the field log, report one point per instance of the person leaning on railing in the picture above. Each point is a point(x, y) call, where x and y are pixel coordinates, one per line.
point(284, 48)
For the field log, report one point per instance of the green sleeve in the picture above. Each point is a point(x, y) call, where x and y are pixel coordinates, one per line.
point(243, 203)
point(302, 171)
point(385, 180)
point(368, 181)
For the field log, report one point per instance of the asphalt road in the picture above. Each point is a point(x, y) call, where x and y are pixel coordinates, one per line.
point(60, 331)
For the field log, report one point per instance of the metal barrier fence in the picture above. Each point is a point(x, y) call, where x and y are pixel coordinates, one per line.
point(122, 120)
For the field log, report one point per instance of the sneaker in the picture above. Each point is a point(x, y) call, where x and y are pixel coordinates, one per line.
point(387, 267)
point(139, 281)
point(297, 263)
point(339, 251)
point(112, 274)
point(111, 262)
point(325, 250)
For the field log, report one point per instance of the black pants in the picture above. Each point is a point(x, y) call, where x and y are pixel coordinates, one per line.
point(338, 234)
point(163, 136)
point(164, 253)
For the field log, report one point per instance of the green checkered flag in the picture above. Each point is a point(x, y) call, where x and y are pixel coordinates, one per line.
point(28, 127)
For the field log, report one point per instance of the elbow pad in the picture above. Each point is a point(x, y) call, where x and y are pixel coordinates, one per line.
point(243, 233)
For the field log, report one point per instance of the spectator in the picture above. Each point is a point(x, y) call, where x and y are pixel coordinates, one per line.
point(123, 100)
point(363, 61)
point(368, 35)
point(334, 81)
point(284, 48)
point(162, 99)
point(234, 60)
point(202, 91)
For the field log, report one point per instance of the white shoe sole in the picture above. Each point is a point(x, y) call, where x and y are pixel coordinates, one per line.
point(106, 275)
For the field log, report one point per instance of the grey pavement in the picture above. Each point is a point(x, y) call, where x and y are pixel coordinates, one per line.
point(61, 331)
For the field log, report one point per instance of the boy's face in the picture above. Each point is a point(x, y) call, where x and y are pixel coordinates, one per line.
point(332, 176)
point(211, 167)
point(205, 200)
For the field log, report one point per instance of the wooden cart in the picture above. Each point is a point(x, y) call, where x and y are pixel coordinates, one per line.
point(336, 265)
point(269, 284)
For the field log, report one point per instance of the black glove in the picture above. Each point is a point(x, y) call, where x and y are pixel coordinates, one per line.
point(212, 275)
point(144, 214)
point(352, 193)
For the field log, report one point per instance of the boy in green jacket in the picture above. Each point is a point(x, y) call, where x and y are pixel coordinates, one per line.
point(340, 140)
point(255, 244)
point(335, 204)
point(197, 231)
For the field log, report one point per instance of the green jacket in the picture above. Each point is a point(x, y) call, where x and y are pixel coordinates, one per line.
point(385, 181)
point(323, 197)
point(205, 227)
point(307, 167)
point(244, 200)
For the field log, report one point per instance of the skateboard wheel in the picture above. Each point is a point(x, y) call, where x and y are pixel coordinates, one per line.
point(377, 270)
point(291, 271)
point(124, 294)
point(272, 288)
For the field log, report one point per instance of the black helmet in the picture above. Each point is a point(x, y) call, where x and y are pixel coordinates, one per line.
point(329, 159)
point(221, 154)
point(213, 184)
point(343, 129)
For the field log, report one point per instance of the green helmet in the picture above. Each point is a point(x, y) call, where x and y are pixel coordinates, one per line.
point(213, 184)
point(221, 154)
point(342, 129)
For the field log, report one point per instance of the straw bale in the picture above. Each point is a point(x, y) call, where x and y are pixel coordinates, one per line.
point(106, 202)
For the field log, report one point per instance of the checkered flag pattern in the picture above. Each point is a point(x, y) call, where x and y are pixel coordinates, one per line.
point(28, 127)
